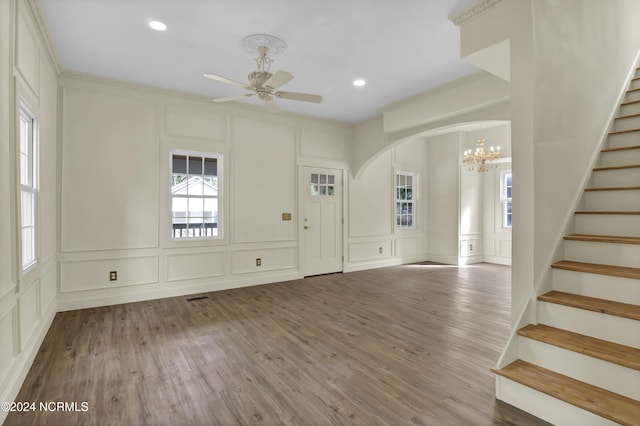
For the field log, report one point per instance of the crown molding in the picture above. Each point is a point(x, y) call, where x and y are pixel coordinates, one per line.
point(471, 11)
point(43, 29)
point(96, 79)
point(92, 78)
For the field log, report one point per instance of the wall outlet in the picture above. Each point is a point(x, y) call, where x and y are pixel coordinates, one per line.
point(258, 262)
point(113, 275)
point(470, 247)
point(380, 250)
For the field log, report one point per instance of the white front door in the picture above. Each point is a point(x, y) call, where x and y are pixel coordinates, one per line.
point(322, 221)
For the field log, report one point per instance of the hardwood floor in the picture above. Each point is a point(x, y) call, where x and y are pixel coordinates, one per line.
point(406, 345)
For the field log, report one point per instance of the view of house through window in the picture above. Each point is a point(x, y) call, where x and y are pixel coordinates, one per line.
point(405, 200)
point(28, 187)
point(506, 199)
point(195, 191)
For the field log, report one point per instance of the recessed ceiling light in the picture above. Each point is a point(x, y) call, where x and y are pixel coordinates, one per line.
point(157, 25)
point(359, 82)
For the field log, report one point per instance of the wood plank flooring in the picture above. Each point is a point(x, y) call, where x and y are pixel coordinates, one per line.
point(406, 345)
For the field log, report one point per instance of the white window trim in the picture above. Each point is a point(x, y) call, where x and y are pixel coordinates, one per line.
point(32, 188)
point(414, 200)
point(504, 199)
point(219, 174)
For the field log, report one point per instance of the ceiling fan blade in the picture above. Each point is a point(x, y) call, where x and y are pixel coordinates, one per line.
point(232, 98)
point(272, 105)
point(306, 97)
point(225, 80)
point(278, 79)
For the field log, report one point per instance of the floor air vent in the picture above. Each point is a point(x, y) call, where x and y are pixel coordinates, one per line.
point(193, 299)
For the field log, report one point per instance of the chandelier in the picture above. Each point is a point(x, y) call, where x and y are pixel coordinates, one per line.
point(480, 160)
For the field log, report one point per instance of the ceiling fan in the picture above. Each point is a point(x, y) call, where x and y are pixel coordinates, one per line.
point(263, 83)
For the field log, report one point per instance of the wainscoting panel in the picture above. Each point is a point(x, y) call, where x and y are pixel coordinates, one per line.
point(411, 249)
point(27, 53)
point(94, 274)
point(188, 266)
point(194, 123)
point(271, 259)
point(319, 144)
point(7, 356)
point(48, 285)
point(369, 250)
point(28, 312)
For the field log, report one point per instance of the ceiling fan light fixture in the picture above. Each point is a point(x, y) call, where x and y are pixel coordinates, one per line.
point(359, 82)
point(158, 25)
point(254, 42)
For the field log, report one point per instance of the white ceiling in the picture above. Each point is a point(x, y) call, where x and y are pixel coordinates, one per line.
point(401, 47)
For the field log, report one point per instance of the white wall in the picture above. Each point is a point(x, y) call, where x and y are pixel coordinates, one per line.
point(443, 173)
point(373, 239)
point(577, 85)
point(27, 300)
point(116, 140)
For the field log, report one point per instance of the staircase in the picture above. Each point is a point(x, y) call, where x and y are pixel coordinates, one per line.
point(583, 357)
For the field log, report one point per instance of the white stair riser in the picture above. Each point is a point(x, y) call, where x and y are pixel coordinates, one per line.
point(620, 140)
point(630, 109)
point(632, 95)
point(618, 177)
point(546, 407)
point(618, 289)
point(627, 123)
point(603, 224)
point(637, 73)
point(635, 84)
point(619, 158)
point(601, 326)
point(606, 375)
point(612, 200)
point(603, 253)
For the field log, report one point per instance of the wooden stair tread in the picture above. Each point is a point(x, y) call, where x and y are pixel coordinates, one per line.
point(603, 239)
point(624, 310)
point(595, 268)
point(619, 212)
point(628, 166)
point(612, 406)
point(622, 148)
point(629, 103)
point(615, 188)
point(625, 356)
point(622, 117)
point(619, 132)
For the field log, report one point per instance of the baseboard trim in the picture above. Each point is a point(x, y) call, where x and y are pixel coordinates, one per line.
point(93, 299)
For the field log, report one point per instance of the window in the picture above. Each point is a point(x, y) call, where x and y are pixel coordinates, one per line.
point(322, 184)
point(195, 192)
point(405, 200)
point(28, 187)
point(506, 199)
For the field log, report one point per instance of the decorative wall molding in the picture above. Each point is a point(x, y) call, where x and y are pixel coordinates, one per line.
point(471, 11)
point(92, 78)
point(230, 107)
point(43, 30)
